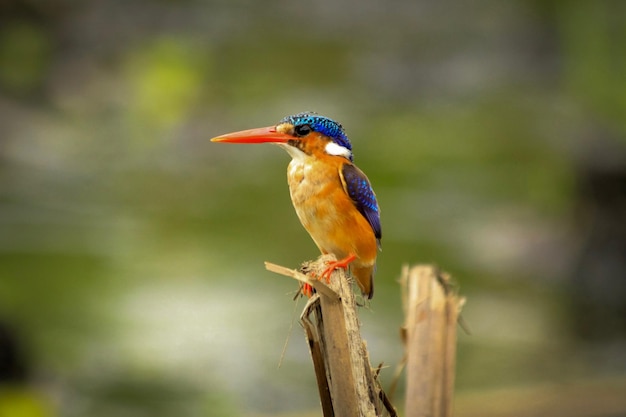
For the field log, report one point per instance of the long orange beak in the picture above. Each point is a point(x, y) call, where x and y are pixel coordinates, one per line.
point(259, 135)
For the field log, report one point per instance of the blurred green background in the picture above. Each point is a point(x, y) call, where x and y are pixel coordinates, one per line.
point(132, 248)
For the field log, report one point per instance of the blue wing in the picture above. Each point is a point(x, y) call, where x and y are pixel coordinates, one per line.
point(360, 191)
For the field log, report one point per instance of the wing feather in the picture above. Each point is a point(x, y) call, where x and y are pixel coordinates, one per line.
point(358, 187)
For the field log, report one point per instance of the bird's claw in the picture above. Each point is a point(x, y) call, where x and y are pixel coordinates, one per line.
point(307, 290)
point(332, 265)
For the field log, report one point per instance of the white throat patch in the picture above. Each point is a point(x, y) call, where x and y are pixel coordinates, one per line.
point(294, 152)
point(333, 149)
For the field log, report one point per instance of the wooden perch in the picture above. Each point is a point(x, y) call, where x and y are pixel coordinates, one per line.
point(347, 385)
point(431, 308)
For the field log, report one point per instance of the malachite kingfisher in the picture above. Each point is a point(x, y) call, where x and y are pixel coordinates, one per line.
point(332, 197)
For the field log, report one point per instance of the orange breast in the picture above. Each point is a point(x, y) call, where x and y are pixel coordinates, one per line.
point(327, 212)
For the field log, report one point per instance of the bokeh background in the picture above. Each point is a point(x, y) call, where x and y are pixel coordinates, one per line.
point(132, 248)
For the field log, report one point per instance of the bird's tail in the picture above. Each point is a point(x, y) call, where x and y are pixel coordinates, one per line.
point(365, 278)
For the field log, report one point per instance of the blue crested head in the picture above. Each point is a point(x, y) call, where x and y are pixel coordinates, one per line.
point(324, 125)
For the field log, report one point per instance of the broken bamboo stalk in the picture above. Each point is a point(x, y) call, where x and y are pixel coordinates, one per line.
point(431, 308)
point(346, 383)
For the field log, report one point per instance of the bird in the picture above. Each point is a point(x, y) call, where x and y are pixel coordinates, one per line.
point(333, 199)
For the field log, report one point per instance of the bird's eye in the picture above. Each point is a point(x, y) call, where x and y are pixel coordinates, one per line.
point(302, 130)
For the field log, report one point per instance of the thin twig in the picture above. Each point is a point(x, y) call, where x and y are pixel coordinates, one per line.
point(293, 273)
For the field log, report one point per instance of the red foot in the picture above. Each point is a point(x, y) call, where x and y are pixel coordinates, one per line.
point(342, 263)
point(307, 290)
